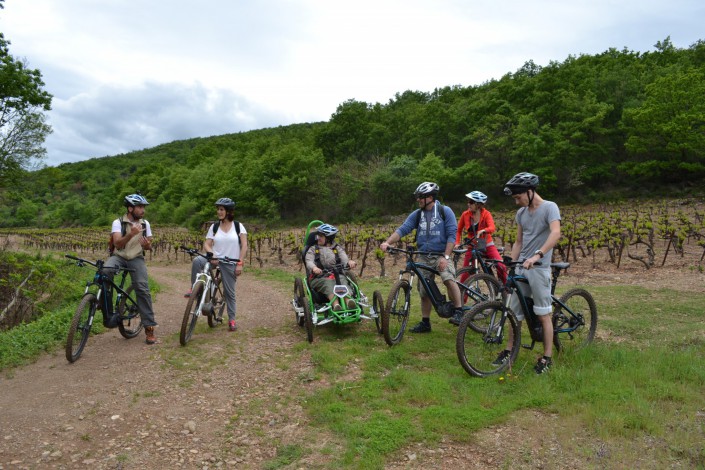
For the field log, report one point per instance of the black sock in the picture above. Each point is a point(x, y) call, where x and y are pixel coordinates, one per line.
point(426, 321)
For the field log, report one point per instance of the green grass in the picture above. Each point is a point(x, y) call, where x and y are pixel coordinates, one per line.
point(642, 379)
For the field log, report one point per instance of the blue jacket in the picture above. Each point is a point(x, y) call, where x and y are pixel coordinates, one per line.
point(433, 232)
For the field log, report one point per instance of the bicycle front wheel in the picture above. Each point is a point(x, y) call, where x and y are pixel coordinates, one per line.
point(218, 303)
point(574, 325)
point(396, 314)
point(130, 320)
point(191, 313)
point(80, 327)
point(478, 288)
point(378, 307)
point(480, 348)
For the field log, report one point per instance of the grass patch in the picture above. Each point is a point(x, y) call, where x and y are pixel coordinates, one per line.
point(646, 385)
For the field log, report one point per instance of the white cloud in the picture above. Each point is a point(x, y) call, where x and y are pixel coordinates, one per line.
point(127, 76)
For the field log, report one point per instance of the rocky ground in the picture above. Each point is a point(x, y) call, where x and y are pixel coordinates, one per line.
point(227, 401)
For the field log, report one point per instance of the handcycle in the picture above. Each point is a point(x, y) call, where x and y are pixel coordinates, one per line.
point(479, 263)
point(482, 334)
point(395, 316)
point(123, 313)
point(312, 309)
point(206, 296)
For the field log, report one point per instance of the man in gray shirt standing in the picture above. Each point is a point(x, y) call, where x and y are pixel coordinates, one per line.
point(538, 231)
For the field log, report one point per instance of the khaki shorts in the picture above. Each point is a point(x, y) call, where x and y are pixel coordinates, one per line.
point(432, 261)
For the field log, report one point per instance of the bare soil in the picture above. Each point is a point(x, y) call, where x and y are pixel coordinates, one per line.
point(125, 404)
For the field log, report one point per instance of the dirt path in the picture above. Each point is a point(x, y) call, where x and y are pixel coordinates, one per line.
point(223, 400)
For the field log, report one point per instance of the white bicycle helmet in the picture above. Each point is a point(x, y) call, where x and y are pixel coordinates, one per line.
point(427, 189)
point(136, 199)
point(477, 196)
point(520, 183)
point(225, 202)
point(327, 230)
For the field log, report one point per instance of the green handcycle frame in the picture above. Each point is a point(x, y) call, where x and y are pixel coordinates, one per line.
point(310, 311)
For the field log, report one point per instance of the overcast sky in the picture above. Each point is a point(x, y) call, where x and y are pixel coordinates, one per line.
point(131, 75)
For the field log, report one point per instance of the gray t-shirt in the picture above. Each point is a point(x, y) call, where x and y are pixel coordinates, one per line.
point(535, 230)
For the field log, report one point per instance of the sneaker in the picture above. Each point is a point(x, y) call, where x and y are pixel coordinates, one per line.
point(351, 304)
point(232, 326)
point(543, 365)
point(421, 328)
point(187, 294)
point(149, 332)
point(457, 318)
point(502, 358)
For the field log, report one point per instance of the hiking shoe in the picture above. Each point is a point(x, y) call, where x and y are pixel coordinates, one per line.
point(543, 365)
point(232, 326)
point(187, 294)
point(457, 318)
point(502, 358)
point(150, 337)
point(351, 304)
point(421, 328)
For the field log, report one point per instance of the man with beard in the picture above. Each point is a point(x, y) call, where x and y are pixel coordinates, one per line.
point(131, 236)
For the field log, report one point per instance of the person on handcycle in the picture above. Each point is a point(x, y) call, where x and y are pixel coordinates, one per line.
point(326, 261)
point(538, 231)
point(435, 226)
point(478, 223)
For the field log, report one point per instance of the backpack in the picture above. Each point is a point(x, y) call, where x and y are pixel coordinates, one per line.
point(216, 225)
point(418, 219)
point(124, 224)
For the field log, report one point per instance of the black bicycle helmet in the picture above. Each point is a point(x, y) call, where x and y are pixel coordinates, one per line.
point(226, 202)
point(136, 199)
point(520, 183)
point(426, 189)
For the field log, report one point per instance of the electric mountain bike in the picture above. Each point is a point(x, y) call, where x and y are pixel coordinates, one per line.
point(483, 332)
point(122, 313)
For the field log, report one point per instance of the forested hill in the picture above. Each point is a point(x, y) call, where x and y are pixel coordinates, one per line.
point(619, 123)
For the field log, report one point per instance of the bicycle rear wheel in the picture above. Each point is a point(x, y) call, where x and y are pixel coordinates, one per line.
point(130, 320)
point(574, 326)
point(217, 302)
point(80, 327)
point(308, 321)
point(479, 348)
point(396, 314)
point(191, 313)
point(300, 298)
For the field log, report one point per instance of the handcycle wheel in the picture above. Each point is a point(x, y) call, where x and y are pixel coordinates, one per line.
point(130, 321)
point(378, 307)
point(581, 323)
point(396, 314)
point(478, 348)
point(80, 327)
point(478, 288)
point(300, 299)
point(217, 303)
point(308, 321)
point(191, 313)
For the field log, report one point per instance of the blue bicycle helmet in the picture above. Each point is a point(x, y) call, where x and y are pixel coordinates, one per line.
point(136, 199)
point(477, 196)
point(327, 230)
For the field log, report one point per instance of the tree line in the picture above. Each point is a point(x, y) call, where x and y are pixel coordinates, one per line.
point(593, 127)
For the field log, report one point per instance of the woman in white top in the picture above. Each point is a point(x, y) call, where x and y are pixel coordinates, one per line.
point(224, 239)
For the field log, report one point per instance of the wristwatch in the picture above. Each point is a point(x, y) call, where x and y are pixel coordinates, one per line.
point(539, 252)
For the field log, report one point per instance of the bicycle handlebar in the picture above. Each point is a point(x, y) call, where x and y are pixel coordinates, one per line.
point(98, 264)
point(411, 252)
point(223, 259)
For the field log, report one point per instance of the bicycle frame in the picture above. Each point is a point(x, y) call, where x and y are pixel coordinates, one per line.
point(105, 284)
point(478, 263)
point(345, 314)
point(437, 299)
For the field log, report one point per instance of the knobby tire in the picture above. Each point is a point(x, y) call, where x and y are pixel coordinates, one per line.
point(191, 314)
point(80, 327)
point(395, 315)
